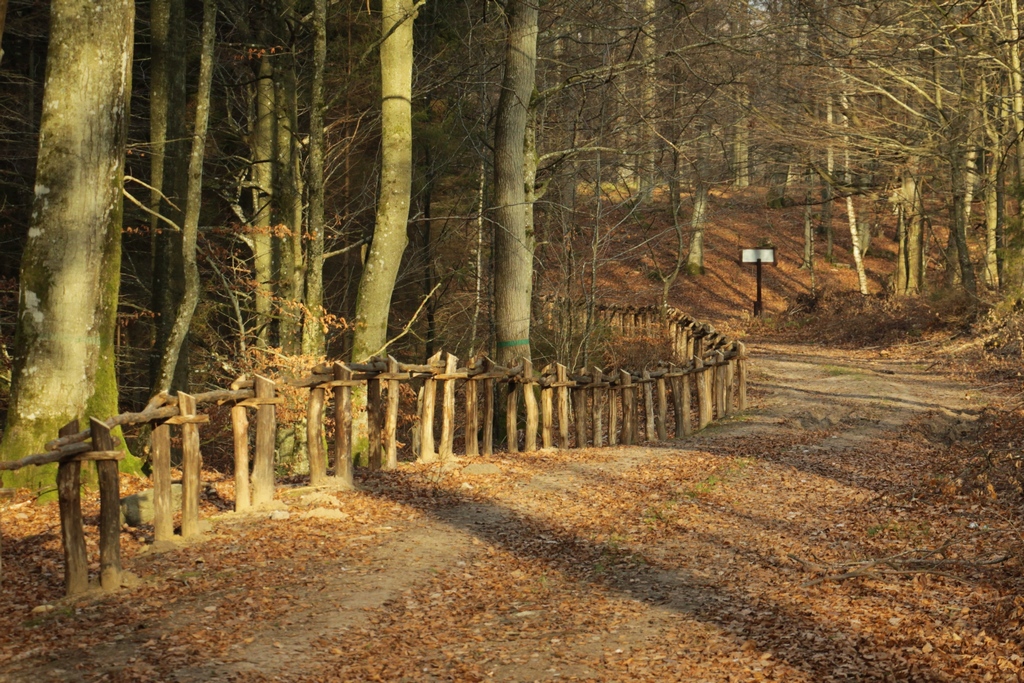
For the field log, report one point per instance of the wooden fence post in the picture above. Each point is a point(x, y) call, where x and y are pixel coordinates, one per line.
point(69, 491)
point(191, 464)
point(547, 412)
point(530, 400)
point(163, 505)
point(628, 409)
point(427, 452)
point(110, 508)
point(687, 421)
point(652, 434)
point(511, 421)
point(580, 414)
point(343, 424)
point(721, 373)
point(613, 410)
point(374, 422)
point(266, 432)
point(447, 448)
point(741, 371)
point(314, 436)
point(662, 415)
point(488, 448)
point(676, 384)
point(730, 377)
point(240, 434)
point(703, 393)
point(562, 392)
point(391, 418)
point(472, 419)
point(597, 393)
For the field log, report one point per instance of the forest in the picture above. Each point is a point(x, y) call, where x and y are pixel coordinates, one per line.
point(292, 180)
point(342, 213)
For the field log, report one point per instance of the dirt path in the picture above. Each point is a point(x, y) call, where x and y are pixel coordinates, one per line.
point(677, 561)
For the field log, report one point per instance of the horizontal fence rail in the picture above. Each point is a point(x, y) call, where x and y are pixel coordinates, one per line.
point(586, 407)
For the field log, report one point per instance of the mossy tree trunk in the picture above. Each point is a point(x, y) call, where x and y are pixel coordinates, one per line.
point(64, 351)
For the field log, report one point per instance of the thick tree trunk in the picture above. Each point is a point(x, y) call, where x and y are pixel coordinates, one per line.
point(513, 142)
point(377, 284)
point(64, 352)
point(909, 268)
point(190, 230)
point(695, 257)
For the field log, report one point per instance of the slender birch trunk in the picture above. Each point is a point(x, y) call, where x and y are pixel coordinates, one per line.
point(851, 211)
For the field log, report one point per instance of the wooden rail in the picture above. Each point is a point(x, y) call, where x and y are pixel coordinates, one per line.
point(589, 407)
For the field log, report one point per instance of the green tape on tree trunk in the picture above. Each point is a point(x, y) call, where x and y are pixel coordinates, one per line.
point(514, 342)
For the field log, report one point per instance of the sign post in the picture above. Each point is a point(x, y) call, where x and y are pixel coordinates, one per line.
point(758, 256)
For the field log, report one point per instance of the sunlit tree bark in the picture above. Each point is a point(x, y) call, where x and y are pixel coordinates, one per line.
point(64, 349)
point(513, 142)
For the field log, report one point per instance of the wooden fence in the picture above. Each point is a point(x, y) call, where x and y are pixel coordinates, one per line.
point(562, 409)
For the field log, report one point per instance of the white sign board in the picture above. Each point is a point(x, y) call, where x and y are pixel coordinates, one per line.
point(755, 255)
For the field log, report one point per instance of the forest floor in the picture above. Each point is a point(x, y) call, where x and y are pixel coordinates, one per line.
point(747, 552)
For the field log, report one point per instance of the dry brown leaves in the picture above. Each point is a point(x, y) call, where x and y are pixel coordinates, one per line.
point(636, 564)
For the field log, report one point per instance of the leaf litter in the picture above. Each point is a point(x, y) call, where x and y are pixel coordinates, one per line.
point(720, 558)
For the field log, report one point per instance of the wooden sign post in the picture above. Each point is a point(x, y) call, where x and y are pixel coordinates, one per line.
point(758, 256)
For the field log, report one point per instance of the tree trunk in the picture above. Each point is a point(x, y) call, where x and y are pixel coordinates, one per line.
point(64, 351)
point(190, 229)
point(288, 193)
point(514, 238)
point(851, 211)
point(263, 142)
point(741, 143)
point(647, 172)
point(168, 177)
point(858, 260)
point(808, 261)
point(826, 189)
point(961, 171)
point(389, 234)
point(1016, 87)
point(313, 342)
point(913, 225)
point(695, 258)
